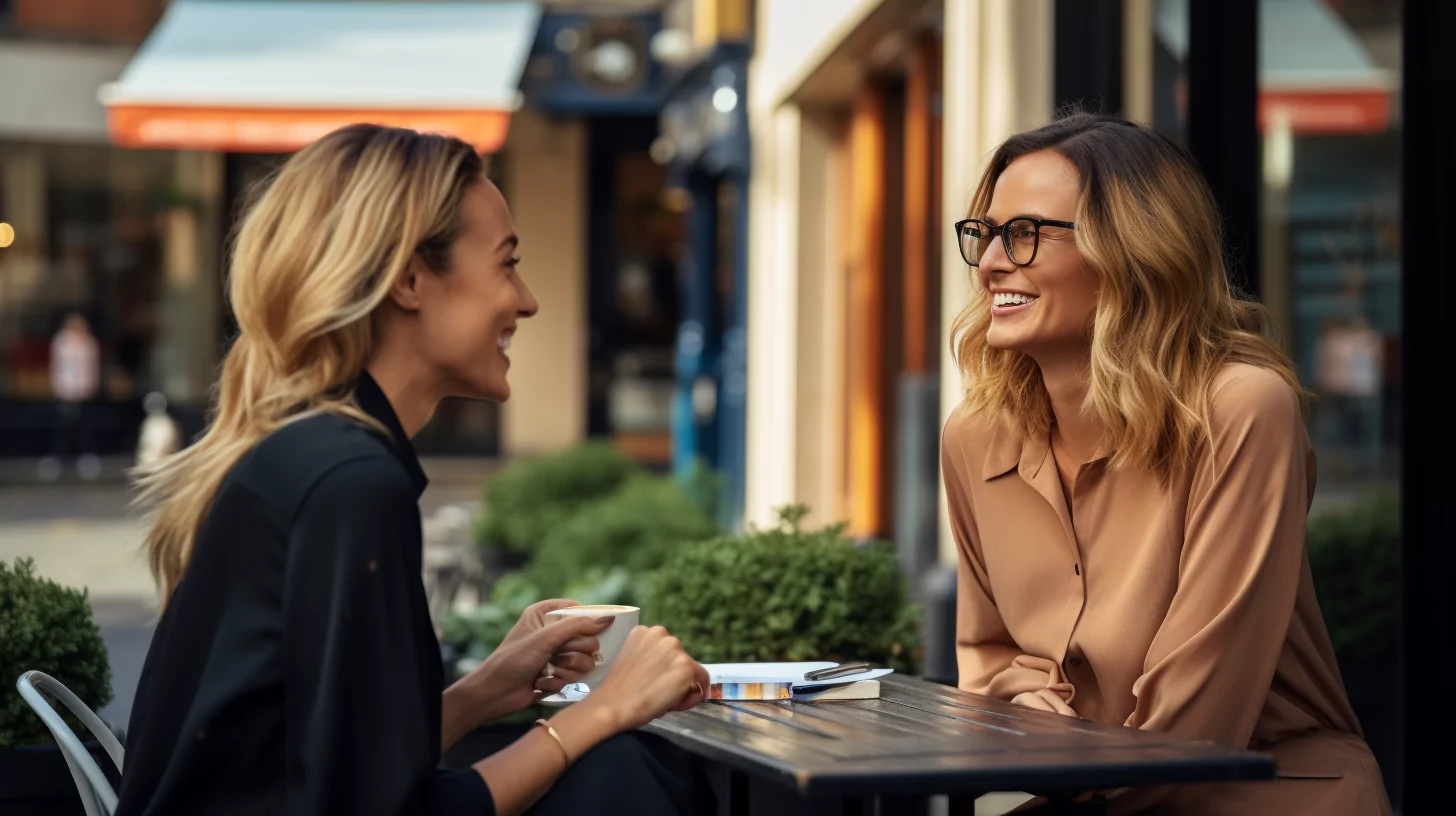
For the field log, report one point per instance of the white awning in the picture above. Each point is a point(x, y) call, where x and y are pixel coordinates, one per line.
point(272, 75)
point(1312, 67)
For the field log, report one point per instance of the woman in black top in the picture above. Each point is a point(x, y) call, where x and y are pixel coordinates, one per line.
point(295, 669)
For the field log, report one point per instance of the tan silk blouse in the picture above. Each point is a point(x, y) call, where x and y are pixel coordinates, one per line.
point(1189, 610)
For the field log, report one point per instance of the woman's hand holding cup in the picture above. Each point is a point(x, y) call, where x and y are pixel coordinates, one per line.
point(540, 656)
point(652, 675)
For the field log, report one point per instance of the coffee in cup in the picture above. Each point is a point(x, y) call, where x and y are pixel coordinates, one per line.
point(610, 641)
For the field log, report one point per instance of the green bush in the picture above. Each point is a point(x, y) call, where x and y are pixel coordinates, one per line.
point(1354, 554)
point(787, 594)
point(591, 526)
point(529, 497)
point(48, 628)
point(635, 528)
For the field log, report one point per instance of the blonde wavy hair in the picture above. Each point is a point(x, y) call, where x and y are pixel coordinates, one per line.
point(317, 252)
point(1167, 318)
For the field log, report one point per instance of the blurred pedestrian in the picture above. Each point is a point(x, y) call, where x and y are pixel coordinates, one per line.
point(75, 381)
point(1349, 370)
point(160, 435)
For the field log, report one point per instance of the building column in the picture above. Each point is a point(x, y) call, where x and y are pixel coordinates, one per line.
point(1137, 61)
point(998, 81)
point(773, 293)
point(865, 341)
point(546, 191)
point(184, 361)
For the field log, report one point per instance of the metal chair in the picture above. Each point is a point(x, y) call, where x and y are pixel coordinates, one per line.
point(97, 795)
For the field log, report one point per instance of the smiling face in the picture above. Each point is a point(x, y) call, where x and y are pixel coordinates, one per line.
point(468, 312)
point(1043, 309)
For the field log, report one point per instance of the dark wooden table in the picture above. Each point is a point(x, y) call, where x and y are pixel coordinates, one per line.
point(922, 738)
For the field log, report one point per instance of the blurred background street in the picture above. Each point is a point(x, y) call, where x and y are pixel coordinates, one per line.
point(736, 216)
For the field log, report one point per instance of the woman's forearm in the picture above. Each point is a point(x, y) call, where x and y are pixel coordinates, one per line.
point(522, 773)
point(456, 718)
point(463, 708)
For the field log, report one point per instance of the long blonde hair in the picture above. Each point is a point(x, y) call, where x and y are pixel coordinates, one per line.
point(1167, 318)
point(316, 254)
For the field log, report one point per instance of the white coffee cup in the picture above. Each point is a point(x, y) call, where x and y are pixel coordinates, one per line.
point(610, 641)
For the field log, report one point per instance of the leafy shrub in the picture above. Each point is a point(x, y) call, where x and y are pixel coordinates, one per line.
point(48, 628)
point(529, 497)
point(635, 528)
point(590, 525)
point(787, 594)
point(1354, 554)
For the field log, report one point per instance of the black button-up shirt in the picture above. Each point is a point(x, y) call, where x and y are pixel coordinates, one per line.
point(296, 669)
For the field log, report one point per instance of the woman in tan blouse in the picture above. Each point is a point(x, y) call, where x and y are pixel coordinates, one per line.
point(1129, 474)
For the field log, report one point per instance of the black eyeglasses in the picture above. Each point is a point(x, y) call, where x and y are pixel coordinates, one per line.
point(1020, 236)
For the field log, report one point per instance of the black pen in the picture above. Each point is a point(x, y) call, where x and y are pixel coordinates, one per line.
point(836, 671)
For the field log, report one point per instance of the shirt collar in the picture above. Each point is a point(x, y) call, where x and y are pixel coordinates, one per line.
point(1012, 448)
point(372, 401)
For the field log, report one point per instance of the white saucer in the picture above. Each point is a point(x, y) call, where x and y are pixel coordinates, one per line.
point(571, 695)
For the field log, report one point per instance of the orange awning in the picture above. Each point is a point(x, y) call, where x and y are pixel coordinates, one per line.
point(1327, 113)
point(270, 76)
point(282, 130)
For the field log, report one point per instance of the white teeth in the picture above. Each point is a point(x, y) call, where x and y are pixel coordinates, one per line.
point(504, 342)
point(1010, 298)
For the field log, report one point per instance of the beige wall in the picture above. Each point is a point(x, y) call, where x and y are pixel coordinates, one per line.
point(822, 283)
point(773, 309)
point(795, 327)
point(545, 179)
point(794, 38)
point(49, 89)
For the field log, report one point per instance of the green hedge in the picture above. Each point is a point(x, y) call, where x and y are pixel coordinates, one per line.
point(788, 594)
point(590, 524)
point(1354, 554)
point(48, 628)
point(531, 496)
point(635, 528)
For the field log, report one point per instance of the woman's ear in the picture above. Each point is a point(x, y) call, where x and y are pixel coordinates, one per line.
point(405, 293)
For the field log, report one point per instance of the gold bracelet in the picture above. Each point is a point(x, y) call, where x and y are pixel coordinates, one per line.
point(566, 755)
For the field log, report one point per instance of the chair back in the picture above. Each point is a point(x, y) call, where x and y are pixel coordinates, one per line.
point(97, 795)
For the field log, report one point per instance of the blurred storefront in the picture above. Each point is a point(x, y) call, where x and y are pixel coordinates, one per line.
point(1328, 221)
point(122, 210)
point(247, 83)
point(125, 239)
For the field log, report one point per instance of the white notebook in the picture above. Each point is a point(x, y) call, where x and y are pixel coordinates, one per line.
point(720, 673)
